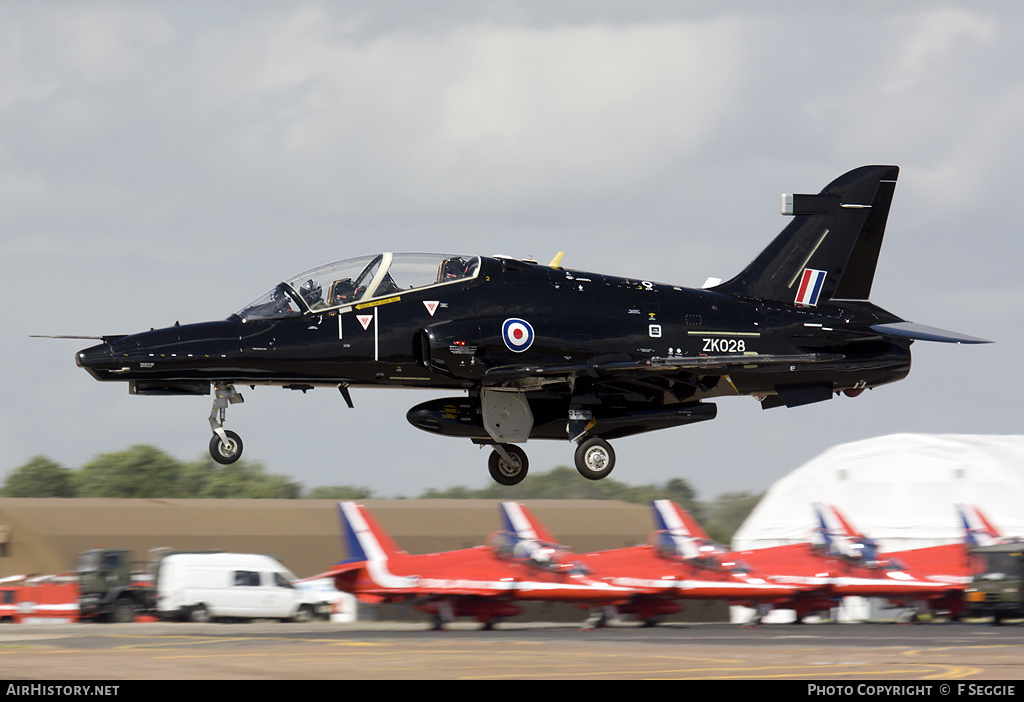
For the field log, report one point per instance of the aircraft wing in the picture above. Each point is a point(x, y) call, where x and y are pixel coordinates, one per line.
point(597, 368)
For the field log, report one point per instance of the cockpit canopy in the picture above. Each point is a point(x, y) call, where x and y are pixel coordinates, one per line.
point(857, 551)
point(700, 552)
point(508, 546)
point(355, 280)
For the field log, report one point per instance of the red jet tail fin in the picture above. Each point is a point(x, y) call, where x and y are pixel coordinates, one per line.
point(978, 530)
point(522, 522)
point(365, 538)
point(833, 520)
point(670, 517)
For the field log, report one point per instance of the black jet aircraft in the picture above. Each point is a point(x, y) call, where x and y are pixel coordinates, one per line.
point(543, 352)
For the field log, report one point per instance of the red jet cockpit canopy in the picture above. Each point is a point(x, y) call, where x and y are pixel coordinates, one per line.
point(357, 279)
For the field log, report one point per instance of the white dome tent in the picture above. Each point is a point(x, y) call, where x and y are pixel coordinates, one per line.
point(900, 490)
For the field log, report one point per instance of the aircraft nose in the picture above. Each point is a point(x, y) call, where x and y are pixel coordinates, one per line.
point(158, 350)
point(95, 358)
point(87, 358)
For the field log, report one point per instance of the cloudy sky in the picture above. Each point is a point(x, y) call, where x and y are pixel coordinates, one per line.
point(164, 161)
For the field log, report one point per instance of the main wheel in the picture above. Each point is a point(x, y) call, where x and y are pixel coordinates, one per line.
point(508, 472)
point(226, 453)
point(595, 458)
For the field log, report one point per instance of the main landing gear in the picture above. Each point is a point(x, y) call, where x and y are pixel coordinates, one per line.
point(508, 463)
point(594, 458)
point(225, 446)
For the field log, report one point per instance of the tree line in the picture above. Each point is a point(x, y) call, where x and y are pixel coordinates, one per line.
point(147, 472)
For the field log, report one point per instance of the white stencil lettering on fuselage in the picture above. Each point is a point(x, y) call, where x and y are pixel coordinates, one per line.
point(723, 345)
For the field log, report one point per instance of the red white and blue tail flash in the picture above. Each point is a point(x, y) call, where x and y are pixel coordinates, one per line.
point(670, 517)
point(978, 530)
point(521, 521)
point(810, 287)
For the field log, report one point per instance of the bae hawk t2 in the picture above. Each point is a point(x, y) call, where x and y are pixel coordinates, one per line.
point(544, 352)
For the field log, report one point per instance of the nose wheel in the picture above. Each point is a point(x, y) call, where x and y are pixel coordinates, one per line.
point(595, 458)
point(225, 446)
point(226, 450)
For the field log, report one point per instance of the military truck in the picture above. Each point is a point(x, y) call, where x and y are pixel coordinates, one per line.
point(997, 587)
point(109, 590)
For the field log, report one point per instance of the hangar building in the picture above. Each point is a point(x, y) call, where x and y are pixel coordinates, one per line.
point(900, 490)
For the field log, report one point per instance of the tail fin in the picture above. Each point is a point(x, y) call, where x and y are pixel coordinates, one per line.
point(830, 528)
point(841, 538)
point(520, 521)
point(670, 517)
point(834, 521)
point(365, 538)
point(978, 531)
point(830, 249)
point(679, 535)
point(533, 543)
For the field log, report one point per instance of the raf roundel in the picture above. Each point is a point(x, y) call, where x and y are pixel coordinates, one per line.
point(517, 333)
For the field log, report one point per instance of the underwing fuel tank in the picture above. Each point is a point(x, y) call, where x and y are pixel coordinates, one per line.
point(463, 417)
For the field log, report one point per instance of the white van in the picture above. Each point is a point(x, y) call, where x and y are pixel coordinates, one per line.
point(200, 587)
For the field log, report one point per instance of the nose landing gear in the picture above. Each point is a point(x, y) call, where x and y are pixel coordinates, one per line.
point(225, 446)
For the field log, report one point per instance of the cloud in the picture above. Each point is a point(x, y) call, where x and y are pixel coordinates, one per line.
point(476, 118)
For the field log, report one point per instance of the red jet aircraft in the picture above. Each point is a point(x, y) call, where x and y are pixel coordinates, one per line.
point(484, 582)
point(680, 563)
point(947, 564)
point(845, 570)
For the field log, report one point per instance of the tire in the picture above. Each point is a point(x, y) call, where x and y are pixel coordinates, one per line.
point(123, 612)
point(199, 614)
point(508, 472)
point(595, 458)
point(303, 614)
point(228, 453)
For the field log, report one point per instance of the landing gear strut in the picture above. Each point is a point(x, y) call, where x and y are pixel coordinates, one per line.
point(225, 446)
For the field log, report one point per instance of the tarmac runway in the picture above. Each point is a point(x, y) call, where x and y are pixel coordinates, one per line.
point(939, 653)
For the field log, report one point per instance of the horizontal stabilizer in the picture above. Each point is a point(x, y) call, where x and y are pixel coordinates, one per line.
point(909, 330)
